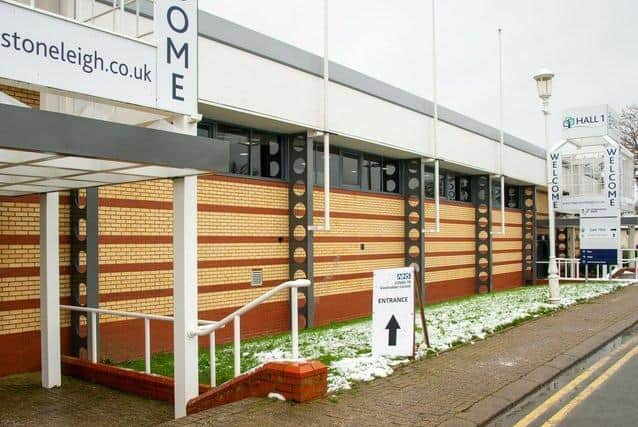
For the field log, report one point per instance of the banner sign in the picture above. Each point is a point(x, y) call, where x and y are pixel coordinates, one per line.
point(586, 122)
point(48, 50)
point(176, 34)
point(555, 168)
point(599, 235)
point(393, 312)
point(611, 179)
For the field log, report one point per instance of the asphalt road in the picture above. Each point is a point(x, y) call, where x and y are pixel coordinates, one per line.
point(613, 403)
point(604, 393)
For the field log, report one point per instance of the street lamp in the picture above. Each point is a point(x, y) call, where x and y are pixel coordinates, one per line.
point(544, 86)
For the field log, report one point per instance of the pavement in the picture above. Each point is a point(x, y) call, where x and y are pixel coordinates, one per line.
point(468, 386)
point(23, 402)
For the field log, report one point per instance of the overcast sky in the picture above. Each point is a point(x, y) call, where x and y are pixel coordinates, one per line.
point(591, 45)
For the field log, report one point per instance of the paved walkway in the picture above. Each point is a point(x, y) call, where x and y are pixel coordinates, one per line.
point(463, 387)
point(23, 402)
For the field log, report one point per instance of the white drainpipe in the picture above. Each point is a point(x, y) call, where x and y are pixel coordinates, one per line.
point(435, 138)
point(326, 133)
point(501, 135)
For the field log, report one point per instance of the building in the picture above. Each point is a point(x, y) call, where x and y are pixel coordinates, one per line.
point(262, 110)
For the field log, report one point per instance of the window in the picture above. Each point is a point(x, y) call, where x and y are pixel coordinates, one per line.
point(451, 185)
point(465, 189)
point(496, 194)
point(265, 154)
point(513, 197)
point(428, 183)
point(245, 151)
point(391, 176)
point(334, 165)
point(371, 173)
point(350, 169)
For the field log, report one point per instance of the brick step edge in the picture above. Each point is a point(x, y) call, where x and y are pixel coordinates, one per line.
point(297, 381)
point(151, 386)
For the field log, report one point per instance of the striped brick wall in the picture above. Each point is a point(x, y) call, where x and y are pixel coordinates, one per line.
point(242, 224)
point(29, 97)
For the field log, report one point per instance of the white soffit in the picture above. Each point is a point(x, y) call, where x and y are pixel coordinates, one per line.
point(85, 163)
point(40, 171)
point(161, 171)
point(29, 172)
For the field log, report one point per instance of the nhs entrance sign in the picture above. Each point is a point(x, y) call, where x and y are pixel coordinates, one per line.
point(47, 51)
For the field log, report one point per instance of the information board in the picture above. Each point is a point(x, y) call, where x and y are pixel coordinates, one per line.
point(599, 235)
point(393, 312)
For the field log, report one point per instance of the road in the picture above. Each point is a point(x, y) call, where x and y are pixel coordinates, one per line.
point(603, 394)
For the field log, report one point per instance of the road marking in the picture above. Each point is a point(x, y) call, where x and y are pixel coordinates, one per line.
point(560, 415)
point(560, 394)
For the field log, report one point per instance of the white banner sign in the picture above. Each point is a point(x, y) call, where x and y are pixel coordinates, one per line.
point(393, 312)
point(176, 34)
point(612, 176)
point(585, 122)
point(555, 170)
point(46, 50)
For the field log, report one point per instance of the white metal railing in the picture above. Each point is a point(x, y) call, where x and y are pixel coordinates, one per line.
point(98, 13)
point(235, 316)
point(92, 335)
point(570, 268)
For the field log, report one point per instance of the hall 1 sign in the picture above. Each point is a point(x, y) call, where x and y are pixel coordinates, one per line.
point(393, 312)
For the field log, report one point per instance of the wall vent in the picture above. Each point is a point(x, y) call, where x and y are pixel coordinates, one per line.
point(256, 277)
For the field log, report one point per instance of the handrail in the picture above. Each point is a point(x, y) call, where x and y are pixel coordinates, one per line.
point(135, 315)
point(205, 330)
point(235, 317)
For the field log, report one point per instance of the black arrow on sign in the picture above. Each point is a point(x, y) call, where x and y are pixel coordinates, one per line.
point(392, 327)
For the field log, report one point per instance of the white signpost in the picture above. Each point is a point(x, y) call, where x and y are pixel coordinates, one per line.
point(393, 312)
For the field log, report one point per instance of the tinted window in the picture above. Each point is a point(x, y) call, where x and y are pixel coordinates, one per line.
point(266, 155)
point(512, 200)
point(371, 174)
point(334, 165)
point(390, 176)
point(350, 169)
point(428, 183)
point(465, 189)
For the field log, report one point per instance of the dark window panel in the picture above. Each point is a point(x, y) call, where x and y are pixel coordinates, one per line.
point(391, 179)
point(371, 173)
point(334, 165)
point(465, 189)
point(350, 169)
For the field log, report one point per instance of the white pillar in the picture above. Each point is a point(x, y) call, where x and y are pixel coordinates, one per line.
point(50, 291)
point(185, 291)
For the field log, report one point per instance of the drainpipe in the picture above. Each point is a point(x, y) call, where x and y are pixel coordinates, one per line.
point(326, 133)
point(501, 136)
point(435, 125)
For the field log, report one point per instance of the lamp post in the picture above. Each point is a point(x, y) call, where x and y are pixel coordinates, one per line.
point(544, 86)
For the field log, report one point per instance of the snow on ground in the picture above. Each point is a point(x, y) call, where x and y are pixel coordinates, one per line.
point(346, 348)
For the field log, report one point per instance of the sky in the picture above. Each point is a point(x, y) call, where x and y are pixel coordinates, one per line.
point(590, 45)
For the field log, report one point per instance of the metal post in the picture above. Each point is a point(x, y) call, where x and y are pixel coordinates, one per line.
point(185, 291)
point(552, 270)
point(236, 345)
point(147, 345)
point(50, 291)
point(93, 336)
point(294, 321)
point(213, 361)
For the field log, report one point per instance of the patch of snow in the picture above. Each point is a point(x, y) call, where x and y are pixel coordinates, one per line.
point(276, 396)
point(346, 348)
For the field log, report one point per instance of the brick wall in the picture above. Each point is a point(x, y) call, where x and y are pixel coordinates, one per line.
point(29, 97)
point(242, 224)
